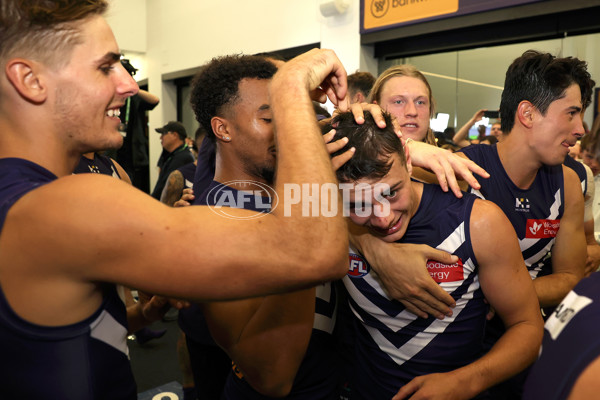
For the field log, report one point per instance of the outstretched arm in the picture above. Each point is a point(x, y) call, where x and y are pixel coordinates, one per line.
point(153, 253)
point(445, 165)
point(403, 272)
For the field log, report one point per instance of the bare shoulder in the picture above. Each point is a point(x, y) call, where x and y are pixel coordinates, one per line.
point(486, 215)
point(587, 385)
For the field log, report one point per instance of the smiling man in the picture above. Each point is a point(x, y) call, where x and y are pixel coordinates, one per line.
point(394, 349)
point(541, 110)
point(67, 240)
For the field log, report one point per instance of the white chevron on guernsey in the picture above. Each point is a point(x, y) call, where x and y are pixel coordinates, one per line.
point(108, 330)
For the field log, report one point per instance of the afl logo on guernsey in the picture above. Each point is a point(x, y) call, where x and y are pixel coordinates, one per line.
point(358, 266)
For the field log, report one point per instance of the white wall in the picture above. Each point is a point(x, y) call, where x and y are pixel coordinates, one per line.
point(176, 35)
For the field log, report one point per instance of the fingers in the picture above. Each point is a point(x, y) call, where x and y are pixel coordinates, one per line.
point(439, 255)
point(186, 199)
point(342, 159)
point(337, 145)
point(358, 110)
point(427, 307)
point(179, 304)
point(490, 314)
point(406, 390)
point(181, 203)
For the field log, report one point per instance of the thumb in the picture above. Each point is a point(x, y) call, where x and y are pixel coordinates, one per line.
point(441, 256)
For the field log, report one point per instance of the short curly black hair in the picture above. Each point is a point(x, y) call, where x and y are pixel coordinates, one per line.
point(374, 146)
point(215, 86)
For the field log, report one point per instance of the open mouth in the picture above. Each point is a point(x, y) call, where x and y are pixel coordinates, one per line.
point(389, 231)
point(113, 112)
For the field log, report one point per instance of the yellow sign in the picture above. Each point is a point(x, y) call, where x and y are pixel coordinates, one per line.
point(381, 13)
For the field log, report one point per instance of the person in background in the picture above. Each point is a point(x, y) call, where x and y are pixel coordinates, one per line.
point(133, 154)
point(183, 177)
point(404, 92)
point(175, 154)
point(359, 86)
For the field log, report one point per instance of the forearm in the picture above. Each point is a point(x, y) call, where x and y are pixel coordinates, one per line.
point(551, 289)
point(148, 97)
point(511, 354)
point(462, 132)
point(303, 166)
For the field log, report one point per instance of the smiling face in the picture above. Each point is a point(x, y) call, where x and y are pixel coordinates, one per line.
point(251, 128)
point(559, 129)
point(88, 91)
point(408, 100)
point(385, 206)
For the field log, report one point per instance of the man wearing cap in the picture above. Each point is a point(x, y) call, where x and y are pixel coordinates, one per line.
point(175, 153)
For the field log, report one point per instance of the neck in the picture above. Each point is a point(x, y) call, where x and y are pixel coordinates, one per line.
point(416, 189)
point(174, 147)
point(229, 169)
point(517, 160)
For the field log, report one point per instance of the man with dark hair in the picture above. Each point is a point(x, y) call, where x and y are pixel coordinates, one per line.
point(175, 154)
point(393, 348)
point(183, 177)
point(271, 340)
point(541, 107)
point(62, 324)
point(359, 86)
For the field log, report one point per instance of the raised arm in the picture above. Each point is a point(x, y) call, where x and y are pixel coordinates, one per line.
point(230, 258)
point(460, 137)
point(500, 261)
point(569, 251)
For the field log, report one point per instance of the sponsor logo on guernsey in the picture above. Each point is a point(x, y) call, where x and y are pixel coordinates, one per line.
point(541, 228)
point(522, 204)
point(445, 272)
point(358, 266)
point(561, 316)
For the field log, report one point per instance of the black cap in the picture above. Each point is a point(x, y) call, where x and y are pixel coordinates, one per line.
point(173, 126)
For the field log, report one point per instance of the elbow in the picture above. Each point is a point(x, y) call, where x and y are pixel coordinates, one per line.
point(272, 386)
point(276, 390)
point(331, 258)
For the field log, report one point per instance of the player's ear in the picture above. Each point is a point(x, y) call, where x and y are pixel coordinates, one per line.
point(359, 98)
point(220, 127)
point(408, 161)
point(27, 79)
point(525, 113)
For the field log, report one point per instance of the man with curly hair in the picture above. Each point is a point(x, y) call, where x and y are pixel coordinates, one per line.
point(66, 240)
